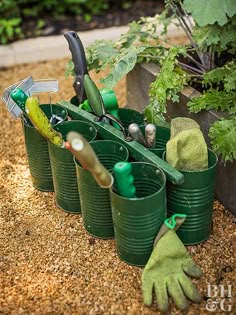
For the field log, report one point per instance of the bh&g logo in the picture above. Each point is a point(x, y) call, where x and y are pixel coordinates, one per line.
point(219, 298)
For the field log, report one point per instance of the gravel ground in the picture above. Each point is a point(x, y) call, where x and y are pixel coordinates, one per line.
point(49, 264)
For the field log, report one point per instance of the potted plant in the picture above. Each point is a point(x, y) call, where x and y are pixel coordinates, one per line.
point(198, 80)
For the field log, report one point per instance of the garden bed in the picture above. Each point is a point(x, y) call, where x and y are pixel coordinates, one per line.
point(48, 263)
point(138, 83)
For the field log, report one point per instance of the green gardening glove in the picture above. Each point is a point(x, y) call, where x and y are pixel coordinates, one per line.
point(167, 269)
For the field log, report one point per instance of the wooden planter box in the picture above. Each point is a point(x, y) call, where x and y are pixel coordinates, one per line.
point(138, 82)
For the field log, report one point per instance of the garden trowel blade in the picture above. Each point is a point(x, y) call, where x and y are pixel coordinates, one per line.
point(12, 107)
point(29, 87)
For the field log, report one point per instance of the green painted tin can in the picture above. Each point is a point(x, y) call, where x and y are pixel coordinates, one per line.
point(162, 136)
point(95, 201)
point(63, 167)
point(194, 198)
point(128, 116)
point(138, 220)
point(37, 149)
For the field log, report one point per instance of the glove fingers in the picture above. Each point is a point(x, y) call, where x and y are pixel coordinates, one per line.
point(161, 297)
point(177, 295)
point(189, 289)
point(191, 269)
point(147, 286)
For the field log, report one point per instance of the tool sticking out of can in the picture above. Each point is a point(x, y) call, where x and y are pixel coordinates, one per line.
point(124, 179)
point(97, 104)
point(150, 134)
point(85, 154)
point(29, 87)
point(149, 140)
point(31, 109)
point(136, 133)
point(80, 70)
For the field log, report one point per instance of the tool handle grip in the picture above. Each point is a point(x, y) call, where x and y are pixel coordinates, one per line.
point(77, 52)
point(41, 122)
point(124, 179)
point(150, 134)
point(85, 154)
point(80, 65)
point(94, 96)
point(136, 133)
point(19, 97)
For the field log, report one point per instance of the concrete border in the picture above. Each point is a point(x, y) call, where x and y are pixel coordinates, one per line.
point(56, 47)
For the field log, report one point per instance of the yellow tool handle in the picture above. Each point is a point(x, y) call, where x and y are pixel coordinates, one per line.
point(41, 122)
point(85, 154)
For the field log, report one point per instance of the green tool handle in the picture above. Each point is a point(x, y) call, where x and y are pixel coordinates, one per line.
point(84, 153)
point(96, 101)
point(124, 179)
point(85, 106)
point(110, 104)
point(19, 97)
point(109, 99)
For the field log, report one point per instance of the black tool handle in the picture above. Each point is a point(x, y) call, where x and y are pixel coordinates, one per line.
point(79, 60)
point(77, 52)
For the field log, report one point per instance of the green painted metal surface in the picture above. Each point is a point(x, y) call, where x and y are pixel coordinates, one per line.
point(195, 199)
point(95, 201)
point(37, 150)
point(63, 167)
point(136, 150)
point(137, 220)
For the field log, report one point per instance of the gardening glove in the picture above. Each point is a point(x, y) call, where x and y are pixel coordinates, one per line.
point(167, 269)
point(186, 149)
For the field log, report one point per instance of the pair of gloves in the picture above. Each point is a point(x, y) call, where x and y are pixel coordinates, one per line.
point(167, 270)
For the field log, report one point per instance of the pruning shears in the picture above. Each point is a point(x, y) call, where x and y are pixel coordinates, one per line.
point(105, 96)
point(97, 105)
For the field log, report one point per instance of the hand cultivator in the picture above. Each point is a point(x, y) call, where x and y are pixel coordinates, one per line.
point(108, 164)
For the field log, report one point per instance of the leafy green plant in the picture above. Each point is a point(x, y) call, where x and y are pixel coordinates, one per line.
point(9, 29)
point(170, 82)
point(223, 135)
point(209, 61)
point(139, 44)
point(207, 12)
point(220, 96)
point(13, 14)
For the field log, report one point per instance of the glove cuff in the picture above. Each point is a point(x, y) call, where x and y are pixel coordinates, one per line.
point(172, 223)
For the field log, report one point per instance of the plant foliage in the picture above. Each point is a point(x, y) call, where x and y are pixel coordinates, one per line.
point(122, 65)
point(210, 60)
point(223, 135)
point(169, 82)
point(221, 96)
point(138, 44)
point(210, 11)
point(9, 29)
point(218, 38)
point(13, 13)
